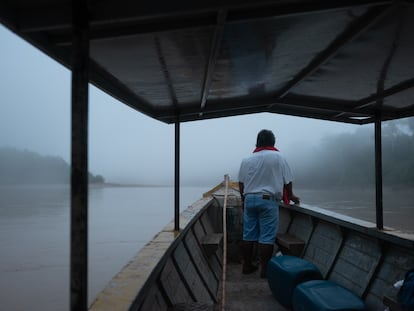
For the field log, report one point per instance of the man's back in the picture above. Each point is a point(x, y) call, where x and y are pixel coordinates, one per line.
point(265, 171)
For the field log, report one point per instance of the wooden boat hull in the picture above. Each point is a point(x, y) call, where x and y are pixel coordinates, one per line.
point(173, 268)
point(184, 271)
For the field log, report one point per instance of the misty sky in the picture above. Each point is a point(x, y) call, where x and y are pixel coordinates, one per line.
point(125, 145)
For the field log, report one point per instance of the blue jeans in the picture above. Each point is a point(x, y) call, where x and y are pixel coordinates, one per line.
point(260, 219)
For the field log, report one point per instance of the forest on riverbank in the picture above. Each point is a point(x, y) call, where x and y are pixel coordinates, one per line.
point(348, 159)
point(28, 167)
point(344, 160)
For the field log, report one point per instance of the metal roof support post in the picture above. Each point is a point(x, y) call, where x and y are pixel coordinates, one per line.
point(378, 172)
point(79, 159)
point(378, 117)
point(177, 179)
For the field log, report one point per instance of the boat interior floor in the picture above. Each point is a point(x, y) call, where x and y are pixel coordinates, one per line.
point(248, 291)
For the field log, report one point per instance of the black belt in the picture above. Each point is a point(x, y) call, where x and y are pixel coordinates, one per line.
point(264, 196)
point(267, 197)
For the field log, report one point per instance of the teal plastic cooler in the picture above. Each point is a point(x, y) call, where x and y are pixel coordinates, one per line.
point(285, 272)
point(320, 295)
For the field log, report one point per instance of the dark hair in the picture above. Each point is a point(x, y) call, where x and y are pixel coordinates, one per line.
point(265, 138)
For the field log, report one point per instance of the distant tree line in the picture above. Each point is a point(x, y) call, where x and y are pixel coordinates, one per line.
point(27, 167)
point(349, 159)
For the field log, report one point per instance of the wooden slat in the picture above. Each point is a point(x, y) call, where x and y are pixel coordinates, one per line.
point(356, 263)
point(202, 265)
point(213, 260)
point(199, 231)
point(174, 288)
point(154, 300)
point(215, 263)
point(206, 223)
point(285, 218)
point(324, 246)
point(396, 261)
point(190, 274)
point(301, 227)
point(209, 229)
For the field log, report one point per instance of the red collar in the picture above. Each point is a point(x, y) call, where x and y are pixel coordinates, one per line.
point(265, 148)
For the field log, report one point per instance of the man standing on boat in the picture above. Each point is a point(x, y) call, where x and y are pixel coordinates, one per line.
point(265, 179)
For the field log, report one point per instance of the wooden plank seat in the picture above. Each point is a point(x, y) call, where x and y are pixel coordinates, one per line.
point(211, 243)
point(290, 244)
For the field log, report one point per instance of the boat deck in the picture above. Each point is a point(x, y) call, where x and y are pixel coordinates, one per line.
point(248, 292)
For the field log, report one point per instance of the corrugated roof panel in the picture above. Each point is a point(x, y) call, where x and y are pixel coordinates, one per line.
point(259, 56)
point(334, 60)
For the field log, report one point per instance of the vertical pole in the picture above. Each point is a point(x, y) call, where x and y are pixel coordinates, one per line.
point(177, 179)
point(378, 173)
point(79, 159)
point(224, 272)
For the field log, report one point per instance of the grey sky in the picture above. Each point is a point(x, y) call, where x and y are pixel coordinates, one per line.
point(125, 145)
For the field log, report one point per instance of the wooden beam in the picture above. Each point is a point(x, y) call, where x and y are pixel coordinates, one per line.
point(212, 59)
point(177, 178)
point(395, 89)
point(109, 19)
point(79, 160)
point(166, 72)
point(378, 173)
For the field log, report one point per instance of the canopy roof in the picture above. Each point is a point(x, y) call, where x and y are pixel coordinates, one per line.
point(182, 60)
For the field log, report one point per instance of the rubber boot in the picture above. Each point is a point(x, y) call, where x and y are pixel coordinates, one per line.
point(266, 252)
point(247, 253)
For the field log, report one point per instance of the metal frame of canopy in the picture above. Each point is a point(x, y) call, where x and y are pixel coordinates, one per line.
point(79, 157)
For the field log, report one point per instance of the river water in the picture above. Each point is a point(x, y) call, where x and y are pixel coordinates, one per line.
point(34, 233)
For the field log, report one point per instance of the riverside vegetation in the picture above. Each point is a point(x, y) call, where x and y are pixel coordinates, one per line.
point(344, 160)
point(27, 167)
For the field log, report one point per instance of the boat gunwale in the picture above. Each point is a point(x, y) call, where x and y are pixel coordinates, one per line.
point(368, 228)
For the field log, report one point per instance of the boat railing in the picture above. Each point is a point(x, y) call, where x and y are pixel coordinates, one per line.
point(347, 222)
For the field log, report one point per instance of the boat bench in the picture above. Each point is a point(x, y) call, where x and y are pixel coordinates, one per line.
point(211, 243)
point(290, 244)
